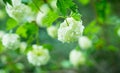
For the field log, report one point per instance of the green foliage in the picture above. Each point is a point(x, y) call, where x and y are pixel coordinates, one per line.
point(22, 31)
point(84, 2)
point(95, 29)
point(11, 23)
point(7, 1)
point(50, 18)
point(76, 16)
point(66, 5)
point(27, 30)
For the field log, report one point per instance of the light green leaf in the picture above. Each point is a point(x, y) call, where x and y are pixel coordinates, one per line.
point(76, 16)
point(50, 18)
point(22, 31)
point(11, 23)
point(84, 2)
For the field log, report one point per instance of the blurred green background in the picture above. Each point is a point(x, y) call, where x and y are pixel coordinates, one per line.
point(101, 19)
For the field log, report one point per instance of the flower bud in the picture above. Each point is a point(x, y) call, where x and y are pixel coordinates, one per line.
point(52, 31)
point(118, 32)
point(84, 42)
point(77, 57)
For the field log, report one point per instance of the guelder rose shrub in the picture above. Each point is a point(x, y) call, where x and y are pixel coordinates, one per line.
point(38, 56)
point(70, 30)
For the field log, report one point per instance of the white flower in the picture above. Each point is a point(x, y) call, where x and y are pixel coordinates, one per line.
point(52, 31)
point(19, 11)
point(84, 42)
point(39, 19)
point(44, 8)
point(23, 46)
point(11, 41)
point(70, 30)
point(38, 56)
point(77, 57)
point(118, 32)
point(2, 33)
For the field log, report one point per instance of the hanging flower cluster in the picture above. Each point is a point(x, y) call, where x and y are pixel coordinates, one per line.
point(70, 30)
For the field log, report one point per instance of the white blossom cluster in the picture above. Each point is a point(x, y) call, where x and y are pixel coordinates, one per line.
point(77, 57)
point(11, 41)
point(19, 11)
point(38, 56)
point(84, 42)
point(70, 30)
point(52, 31)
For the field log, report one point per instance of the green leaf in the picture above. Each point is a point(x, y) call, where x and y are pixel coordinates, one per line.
point(76, 16)
point(48, 46)
point(84, 2)
point(7, 1)
point(95, 28)
point(11, 23)
point(22, 31)
point(50, 18)
point(27, 30)
point(65, 5)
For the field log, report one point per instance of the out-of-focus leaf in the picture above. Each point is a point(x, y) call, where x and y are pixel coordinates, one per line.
point(84, 2)
point(65, 5)
point(101, 10)
point(22, 31)
point(48, 46)
point(7, 1)
point(50, 18)
point(92, 29)
point(66, 64)
point(35, 4)
point(27, 30)
point(11, 23)
point(112, 48)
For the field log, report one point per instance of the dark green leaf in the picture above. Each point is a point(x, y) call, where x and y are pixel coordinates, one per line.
point(7, 1)
point(65, 5)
